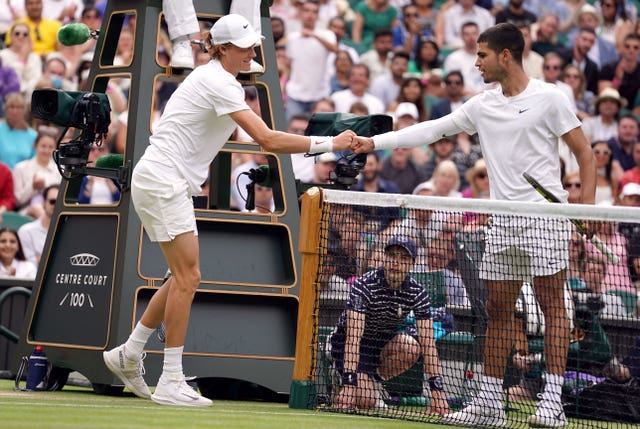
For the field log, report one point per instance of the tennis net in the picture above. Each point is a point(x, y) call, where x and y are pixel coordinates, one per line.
point(461, 245)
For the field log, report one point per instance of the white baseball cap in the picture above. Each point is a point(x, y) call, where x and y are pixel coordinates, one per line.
point(326, 157)
point(630, 189)
point(235, 29)
point(406, 108)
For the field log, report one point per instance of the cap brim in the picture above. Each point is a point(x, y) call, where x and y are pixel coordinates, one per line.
point(251, 40)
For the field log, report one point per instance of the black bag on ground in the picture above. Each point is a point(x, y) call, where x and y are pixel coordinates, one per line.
point(609, 401)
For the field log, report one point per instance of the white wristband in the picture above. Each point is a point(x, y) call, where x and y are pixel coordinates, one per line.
point(385, 141)
point(321, 144)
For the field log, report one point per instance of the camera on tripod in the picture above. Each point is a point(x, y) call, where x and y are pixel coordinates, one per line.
point(88, 112)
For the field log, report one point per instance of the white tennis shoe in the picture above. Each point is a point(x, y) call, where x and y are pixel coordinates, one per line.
point(479, 414)
point(176, 391)
point(549, 414)
point(182, 55)
point(129, 371)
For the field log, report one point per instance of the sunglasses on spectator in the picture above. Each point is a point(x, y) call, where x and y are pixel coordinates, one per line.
point(576, 185)
point(37, 32)
point(51, 201)
point(481, 175)
point(602, 152)
point(19, 33)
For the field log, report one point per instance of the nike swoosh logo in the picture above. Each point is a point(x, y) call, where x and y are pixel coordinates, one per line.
point(523, 110)
point(245, 26)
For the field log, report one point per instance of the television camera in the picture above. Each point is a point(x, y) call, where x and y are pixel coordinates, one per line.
point(90, 114)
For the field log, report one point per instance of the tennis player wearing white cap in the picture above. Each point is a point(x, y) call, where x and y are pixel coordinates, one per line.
point(197, 121)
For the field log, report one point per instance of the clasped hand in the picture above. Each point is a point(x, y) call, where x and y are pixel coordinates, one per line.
point(349, 140)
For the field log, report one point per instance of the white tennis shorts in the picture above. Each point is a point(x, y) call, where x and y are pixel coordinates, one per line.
point(162, 201)
point(520, 249)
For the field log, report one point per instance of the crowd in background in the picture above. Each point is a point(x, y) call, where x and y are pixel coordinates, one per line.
point(411, 59)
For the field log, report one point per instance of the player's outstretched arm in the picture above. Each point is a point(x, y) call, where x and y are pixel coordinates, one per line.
point(281, 142)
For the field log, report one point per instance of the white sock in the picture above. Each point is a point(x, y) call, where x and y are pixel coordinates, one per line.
point(491, 389)
point(553, 386)
point(173, 360)
point(137, 340)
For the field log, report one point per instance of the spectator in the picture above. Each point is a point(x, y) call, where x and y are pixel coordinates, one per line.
point(555, 7)
point(426, 57)
point(359, 108)
point(9, 11)
point(446, 180)
point(409, 32)
point(577, 54)
point(54, 74)
point(98, 190)
point(366, 347)
point(630, 197)
point(308, 50)
point(454, 95)
point(92, 18)
point(401, 170)
point(282, 62)
point(621, 146)
point(33, 234)
point(604, 125)
point(43, 31)
point(545, 35)
point(302, 165)
point(338, 25)
point(263, 200)
point(371, 15)
point(531, 60)
point(404, 115)
point(7, 197)
point(632, 175)
point(608, 174)
point(278, 29)
point(427, 15)
point(9, 83)
point(376, 218)
point(571, 183)
point(342, 68)
point(439, 252)
point(516, 14)
point(239, 181)
point(455, 18)
point(448, 148)
point(617, 276)
point(387, 86)
point(12, 261)
point(325, 165)
point(617, 20)
point(16, 136)
point(478, 181)
point(602, 52)
point(624, 74)
point(573, 76)
point(33, 175)
point(552, 71)
point(358, 91)
point(378, 58)
point(410, 92)
point(464, 59)
point(20, 57)
point(64, 11)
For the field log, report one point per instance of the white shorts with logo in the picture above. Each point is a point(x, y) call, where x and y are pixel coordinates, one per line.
point(523, 248)
point(161, 199)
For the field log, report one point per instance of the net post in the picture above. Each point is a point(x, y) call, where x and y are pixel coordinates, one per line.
point(303, 388)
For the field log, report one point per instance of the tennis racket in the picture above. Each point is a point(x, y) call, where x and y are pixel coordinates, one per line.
point(612, 257)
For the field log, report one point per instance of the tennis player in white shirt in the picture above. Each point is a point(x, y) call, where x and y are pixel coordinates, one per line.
point(518, 124)
point(196, 123)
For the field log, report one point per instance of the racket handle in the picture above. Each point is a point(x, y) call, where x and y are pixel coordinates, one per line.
point(612, 257)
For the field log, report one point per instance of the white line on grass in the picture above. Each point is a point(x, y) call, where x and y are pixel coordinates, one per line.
point(214, 409)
